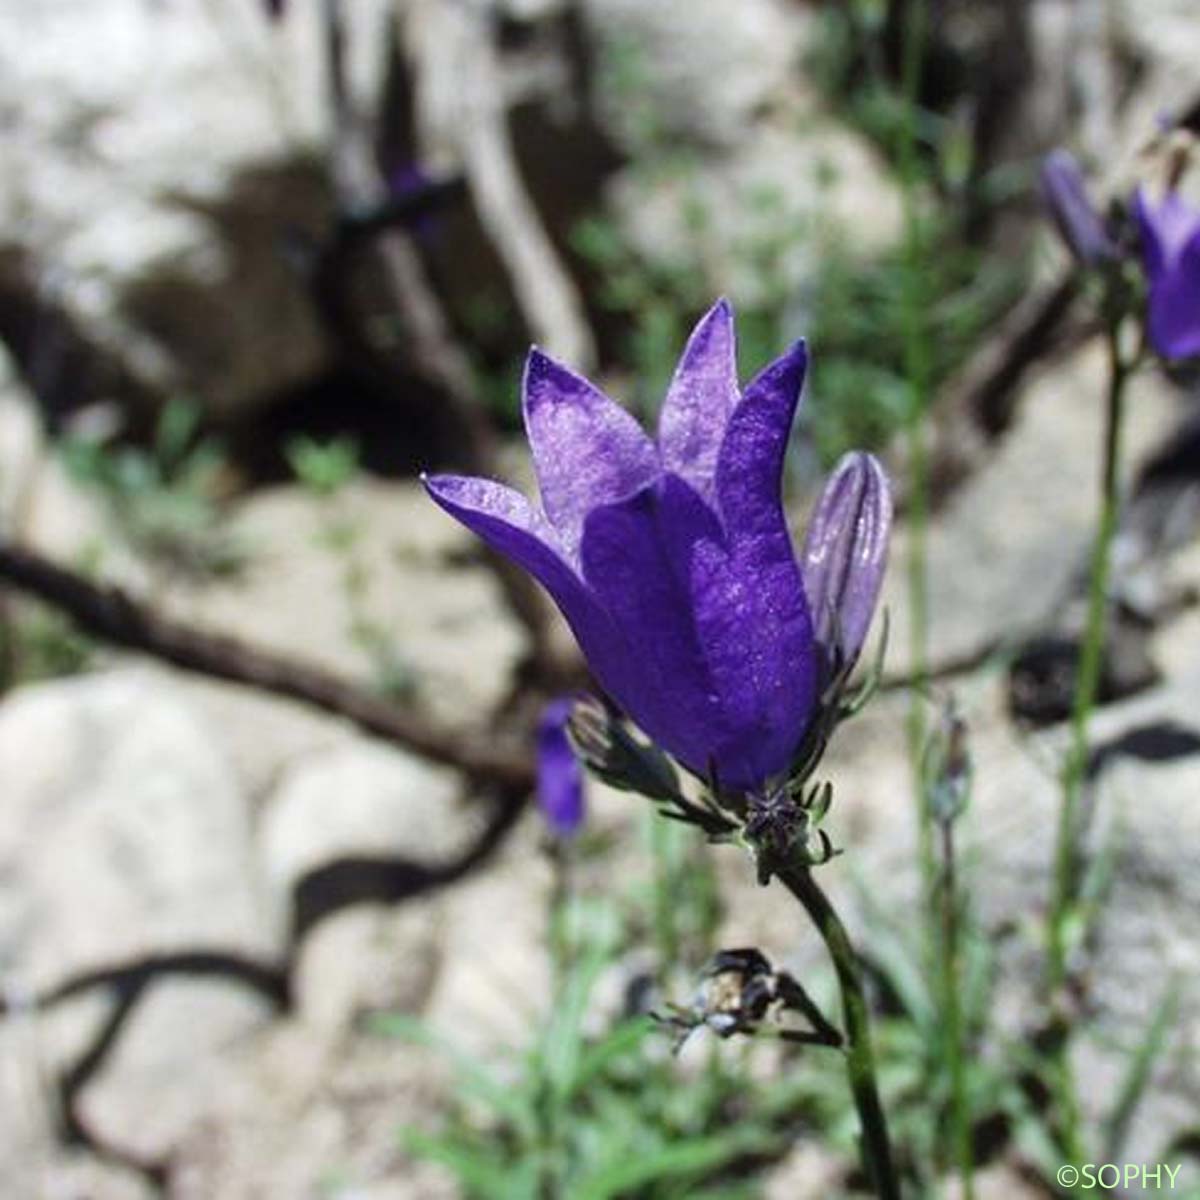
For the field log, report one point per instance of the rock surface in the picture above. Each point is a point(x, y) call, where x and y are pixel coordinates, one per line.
point(381, 558)
point(751, 174)
point(704, 78)
point(364, 802)
point(1009, 555)
point(123, 831)
point(150, 197)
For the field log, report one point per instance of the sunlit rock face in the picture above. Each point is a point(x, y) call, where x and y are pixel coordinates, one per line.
point(154, 153)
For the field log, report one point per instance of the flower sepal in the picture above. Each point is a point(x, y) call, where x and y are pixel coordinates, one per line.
point(840, 700)
point(614, 755)
point(783, 829)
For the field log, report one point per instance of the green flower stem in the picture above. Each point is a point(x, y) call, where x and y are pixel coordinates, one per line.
point(915, 304)
point(666, 932)
point(860, 1059)
point(952, 1015)
point(1066, 864)
point(558, 913)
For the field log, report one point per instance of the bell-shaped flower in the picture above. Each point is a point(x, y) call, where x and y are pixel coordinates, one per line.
point(1080, 225)
point(1170, 233)
point(670, 558)
point(559, 771)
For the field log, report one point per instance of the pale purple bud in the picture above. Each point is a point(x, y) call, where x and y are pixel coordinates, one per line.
point(845, 553)
point(559, 772)
point(1081, 226)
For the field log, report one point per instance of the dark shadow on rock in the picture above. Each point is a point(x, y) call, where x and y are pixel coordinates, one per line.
point(229, 339)
point(1042, 675)
point(128, 983)
point(361, 880)
point(1160, 741)
point(64, 369)
point(319, 894)
point(394, 441)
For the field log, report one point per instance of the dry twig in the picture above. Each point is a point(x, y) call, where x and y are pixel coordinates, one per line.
point(109, 613)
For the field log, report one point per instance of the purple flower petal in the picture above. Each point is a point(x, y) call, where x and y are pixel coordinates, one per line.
point(587, 449)
point(637, 557)
point(559, 772)
point(510, 525)
point(845, 553)
point(724, 676)
point(750, 463)
point(1174, 309)
point(765, 604)
point(1165, 230)
point(703, 394)
point(1171, 250)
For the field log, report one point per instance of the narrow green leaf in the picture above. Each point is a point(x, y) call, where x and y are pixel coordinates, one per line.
point(1138, 1072)
point(562, 1045)
point(595, 1059)
point(481, 1171)
point(691, 1158)
point(511, 1103)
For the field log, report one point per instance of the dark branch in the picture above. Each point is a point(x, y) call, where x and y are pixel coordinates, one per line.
point(408, 296)
point(108, 613)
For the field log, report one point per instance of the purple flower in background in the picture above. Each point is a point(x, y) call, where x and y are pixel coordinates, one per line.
point(406, 181)
point(671, 558)
point(1170, 235)
point(1080, 225)
point(559, 772)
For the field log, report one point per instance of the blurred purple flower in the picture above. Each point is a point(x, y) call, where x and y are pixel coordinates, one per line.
point(671, 559)
point(408, 180)
point(559, 772)
point(275, 8)
point(1170, 235)
point(1081, 226)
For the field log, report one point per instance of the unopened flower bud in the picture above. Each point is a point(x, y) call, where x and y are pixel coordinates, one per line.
point(845, 553)
point(1065, 194)
point(613, 754)
point(947, 767)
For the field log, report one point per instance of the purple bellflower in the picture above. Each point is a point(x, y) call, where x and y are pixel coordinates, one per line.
point(1170, 234)
point(1080, 225)
point(559, 771)
point(671, 559)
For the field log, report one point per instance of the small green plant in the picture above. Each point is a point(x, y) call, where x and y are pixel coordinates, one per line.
point(394, 675)
point(860, 386)
point(163, 498)
point(597, 1107)
point(39, 643)
point(323, 467)
point(859, 390)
